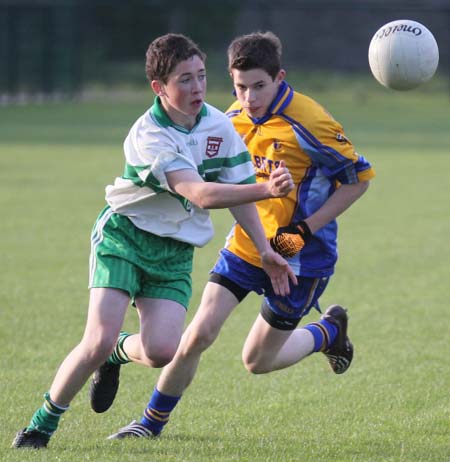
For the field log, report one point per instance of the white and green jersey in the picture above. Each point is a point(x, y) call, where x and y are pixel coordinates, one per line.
point(154, 146)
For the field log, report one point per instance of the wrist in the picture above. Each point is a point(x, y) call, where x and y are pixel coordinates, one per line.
point(267, 190)
point(305, 230)
point(266, 250)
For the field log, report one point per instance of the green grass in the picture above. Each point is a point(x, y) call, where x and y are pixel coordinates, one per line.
point(393, 274)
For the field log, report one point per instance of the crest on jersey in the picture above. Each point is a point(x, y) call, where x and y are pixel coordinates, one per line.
point(213, 145)
point(277, 146)
point(341, 138)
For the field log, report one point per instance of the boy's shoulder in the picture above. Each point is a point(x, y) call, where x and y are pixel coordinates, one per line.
point(234, 109)
point(305, 100)
point(212, 117)
point(303, 107)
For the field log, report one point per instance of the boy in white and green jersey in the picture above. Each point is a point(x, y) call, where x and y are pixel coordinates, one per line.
point(182, 157)
point(156, 145)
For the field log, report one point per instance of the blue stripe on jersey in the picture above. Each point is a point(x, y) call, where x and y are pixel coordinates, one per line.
point(234, 113)
point(319, 256)
point(283, 98)
point(279, 104)
point(362, 164)
point(314, 190)
point(332, 162)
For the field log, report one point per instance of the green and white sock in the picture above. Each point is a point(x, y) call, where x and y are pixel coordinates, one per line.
point(118, 356)
point(46, 418)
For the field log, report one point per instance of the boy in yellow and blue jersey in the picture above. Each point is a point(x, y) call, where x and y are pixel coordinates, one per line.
point(277, 125)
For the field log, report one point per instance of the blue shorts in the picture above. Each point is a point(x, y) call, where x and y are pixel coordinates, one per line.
point(283, 313)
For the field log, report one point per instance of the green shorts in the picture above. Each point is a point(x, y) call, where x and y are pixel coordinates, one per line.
point(138, 262)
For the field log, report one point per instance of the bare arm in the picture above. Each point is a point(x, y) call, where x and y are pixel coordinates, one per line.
point(190, 184)
point(338, 202)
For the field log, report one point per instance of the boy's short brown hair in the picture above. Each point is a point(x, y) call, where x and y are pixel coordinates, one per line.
point(165, 52)
point(259, 50)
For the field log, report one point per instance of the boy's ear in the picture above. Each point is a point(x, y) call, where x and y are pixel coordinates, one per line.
point(157, 87)
point(281, 75)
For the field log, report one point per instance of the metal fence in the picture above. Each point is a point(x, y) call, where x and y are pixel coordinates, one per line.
point(57, 47)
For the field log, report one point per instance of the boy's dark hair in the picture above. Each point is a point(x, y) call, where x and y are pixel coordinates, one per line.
point(260, 50)
point(165, 52)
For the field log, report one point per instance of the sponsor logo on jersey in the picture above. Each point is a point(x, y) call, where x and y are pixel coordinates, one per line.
point(213, 145)
point(265, 164)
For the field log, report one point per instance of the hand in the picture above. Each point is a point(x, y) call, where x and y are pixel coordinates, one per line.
point(289, 240)
point(280, 181)
point(279, 272)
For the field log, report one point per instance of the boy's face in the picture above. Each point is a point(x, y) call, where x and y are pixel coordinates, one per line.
point(183, 95)
point(255, 89)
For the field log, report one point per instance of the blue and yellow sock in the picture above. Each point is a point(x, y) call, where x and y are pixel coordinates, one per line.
point(46, 418)
point(158, 410)
point(118, 356)
point(324, 333)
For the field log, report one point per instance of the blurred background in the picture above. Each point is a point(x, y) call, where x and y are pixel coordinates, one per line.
point(72, 82)
point(53, 49)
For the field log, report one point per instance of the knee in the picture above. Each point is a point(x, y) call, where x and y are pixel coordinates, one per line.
point(195, 340)
point(96, 351)
point(254, 363)
point(256, 368)
point(160, 356)
point(198, 340)
point(250, 366)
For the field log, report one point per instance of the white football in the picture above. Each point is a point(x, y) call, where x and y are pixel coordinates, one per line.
point(403, 54)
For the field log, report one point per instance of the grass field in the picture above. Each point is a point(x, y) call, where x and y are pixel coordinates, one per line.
point(393, 273)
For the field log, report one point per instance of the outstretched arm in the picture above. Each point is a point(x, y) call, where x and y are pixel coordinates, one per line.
point(189, 184)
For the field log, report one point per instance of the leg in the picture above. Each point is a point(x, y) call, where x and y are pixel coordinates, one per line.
point(162, 323)
point(274, 342)
point(161, 327)
point(107, 308)
point(268, 349)
point(216, 305)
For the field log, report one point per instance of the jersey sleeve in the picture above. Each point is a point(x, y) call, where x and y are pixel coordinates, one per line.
point(153, 155)
point(340, 161)
point(329, 149)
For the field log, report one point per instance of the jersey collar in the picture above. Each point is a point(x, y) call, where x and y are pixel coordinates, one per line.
point(158, 112)
point(278, 105)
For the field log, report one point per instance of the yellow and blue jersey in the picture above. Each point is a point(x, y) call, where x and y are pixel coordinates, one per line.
point(319, 156)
